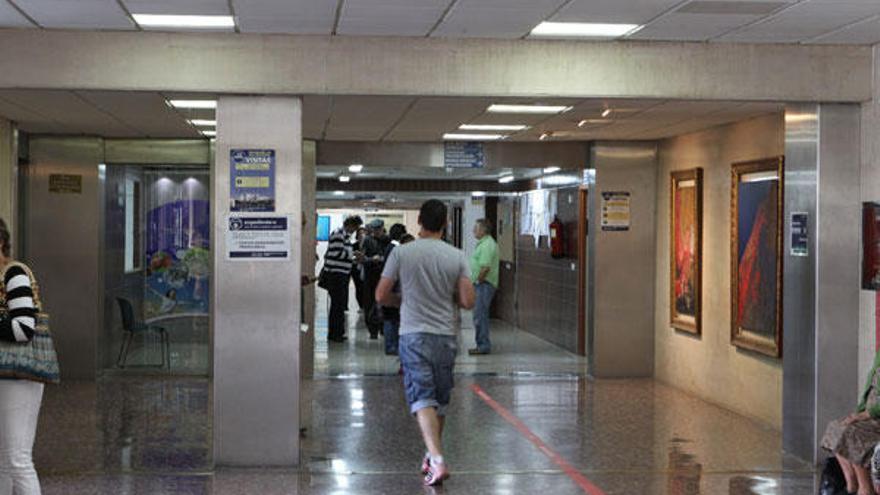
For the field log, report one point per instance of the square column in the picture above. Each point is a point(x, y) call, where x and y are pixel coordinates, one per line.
point(256, 302)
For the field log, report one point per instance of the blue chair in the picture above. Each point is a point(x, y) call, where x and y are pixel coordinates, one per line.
point(130, 326)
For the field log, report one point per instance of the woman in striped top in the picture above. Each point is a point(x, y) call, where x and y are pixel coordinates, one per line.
point(337, 265)
point(19, 399)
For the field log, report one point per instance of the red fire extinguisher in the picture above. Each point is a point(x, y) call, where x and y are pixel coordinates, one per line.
point(557, 238)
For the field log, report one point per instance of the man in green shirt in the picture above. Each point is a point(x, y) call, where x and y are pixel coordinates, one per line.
point(484, 273)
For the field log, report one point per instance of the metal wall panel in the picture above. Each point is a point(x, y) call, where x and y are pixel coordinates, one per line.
point(256, 304)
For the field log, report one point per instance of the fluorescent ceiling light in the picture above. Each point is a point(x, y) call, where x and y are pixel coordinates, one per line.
point(584, 29)
point(355, 168)
point(197, 104)
point(185, 21)
point(344, 178)
point(506, 179)
point(209, 133)
point(478, 194)
point(491, 127)
point(203, 123)
point(472, 137)
point(606, 112)
point(339, 193)
point(545, 109)
point(551, 170)
point(545, 136)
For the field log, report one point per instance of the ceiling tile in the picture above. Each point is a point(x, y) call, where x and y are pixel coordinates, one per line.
point(364, 118)
point(74, 113)
point(622, 11)
point(805, 20)
point(862, 33)
point(692, 27)
point(286, 16)
point(145, 112)
point(495, 18)
point(390, 17)
point(178, 7)
point(77, 14)
point(9, 17)
point(316, 111)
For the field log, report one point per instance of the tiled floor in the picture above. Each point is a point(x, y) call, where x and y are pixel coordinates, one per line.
point(152, 435)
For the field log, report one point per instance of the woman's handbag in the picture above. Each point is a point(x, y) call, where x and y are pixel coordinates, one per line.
point(35, 360)
point(324, 279)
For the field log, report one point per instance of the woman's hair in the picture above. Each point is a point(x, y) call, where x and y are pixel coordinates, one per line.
point(6, 249)
point(396, 231)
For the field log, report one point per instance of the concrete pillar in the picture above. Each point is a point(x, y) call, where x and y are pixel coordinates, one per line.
point(8, 176)
point(821, 290)
point(307, 339)
point(256, 304)
point(622, 341)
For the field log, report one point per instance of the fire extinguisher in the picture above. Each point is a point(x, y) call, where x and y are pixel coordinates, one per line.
point(557, 238)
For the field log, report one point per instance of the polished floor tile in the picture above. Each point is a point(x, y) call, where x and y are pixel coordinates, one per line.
point(152, 435)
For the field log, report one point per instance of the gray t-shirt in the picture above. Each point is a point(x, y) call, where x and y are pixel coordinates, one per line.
point(428, 271)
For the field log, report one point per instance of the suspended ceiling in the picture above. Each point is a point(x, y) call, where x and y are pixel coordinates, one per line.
point(372, 118)
point(773, 21)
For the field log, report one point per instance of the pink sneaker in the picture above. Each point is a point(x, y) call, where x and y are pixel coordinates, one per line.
point(437, 474)
point(426, 464)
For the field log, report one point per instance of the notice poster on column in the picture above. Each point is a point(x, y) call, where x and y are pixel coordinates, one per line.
point(253, 238)
point(615, 211)
point(252, 180)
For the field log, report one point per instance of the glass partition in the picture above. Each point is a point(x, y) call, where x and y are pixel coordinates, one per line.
point(157, 269)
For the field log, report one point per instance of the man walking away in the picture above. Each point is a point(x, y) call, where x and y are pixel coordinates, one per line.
point(391, 314)
point(484, 271)
point(337, 263)
point(434, 284)
point(372, 262)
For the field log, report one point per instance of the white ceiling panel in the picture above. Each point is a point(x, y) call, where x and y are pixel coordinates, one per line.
point(286, 16)
point(862, 33)
point(76, 114)
point(365, 118)
point(390, 17)
point(623, 11)
point(806, 20)
point(692, 27)
point(145, 112)
point(495, 18)
point(77, 14)
point(9, 17)
point(178, 7)
point(439, 115)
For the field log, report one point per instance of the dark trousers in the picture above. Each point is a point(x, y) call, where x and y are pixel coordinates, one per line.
point(372, 311)
point(358, 287)
point(338, 291)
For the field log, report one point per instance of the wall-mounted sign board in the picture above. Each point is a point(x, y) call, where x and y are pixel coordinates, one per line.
point(463, 154)
point(252, 180)
point(252, 238)
point(65, 184)
point(615, 211)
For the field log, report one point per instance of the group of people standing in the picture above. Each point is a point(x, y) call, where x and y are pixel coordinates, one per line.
point(359, 253)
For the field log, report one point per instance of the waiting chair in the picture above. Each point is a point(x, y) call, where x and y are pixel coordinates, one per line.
point(130, 326)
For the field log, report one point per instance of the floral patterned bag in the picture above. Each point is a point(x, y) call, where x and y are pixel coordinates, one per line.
point(35, 360)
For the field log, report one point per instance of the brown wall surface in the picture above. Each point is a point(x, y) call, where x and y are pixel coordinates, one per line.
point(709, 366)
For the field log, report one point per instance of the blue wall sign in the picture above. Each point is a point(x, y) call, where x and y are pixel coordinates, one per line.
point(800, 235)
point(252, 176)
point(463, 154)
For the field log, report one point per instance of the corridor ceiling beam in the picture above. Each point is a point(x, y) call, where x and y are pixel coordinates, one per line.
point(280, 64)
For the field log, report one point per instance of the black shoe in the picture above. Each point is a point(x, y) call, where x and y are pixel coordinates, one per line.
point(374, 336)
point(391, 353)
point(338, 340)
point(477, 352)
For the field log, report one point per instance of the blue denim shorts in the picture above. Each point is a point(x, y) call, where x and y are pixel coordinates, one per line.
point(428, 361)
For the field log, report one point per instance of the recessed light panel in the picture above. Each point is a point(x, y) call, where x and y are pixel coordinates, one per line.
point(539, 109)
point(184, 21)
point(193, 104)
point(203, 123)
point(472, 137)
point(583, 30)
point(492, 127)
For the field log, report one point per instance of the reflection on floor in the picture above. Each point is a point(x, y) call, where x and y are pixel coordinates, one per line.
point(152, 436)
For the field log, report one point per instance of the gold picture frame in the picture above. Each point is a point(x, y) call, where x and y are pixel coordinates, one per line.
point(686, 251)
point(756, 248)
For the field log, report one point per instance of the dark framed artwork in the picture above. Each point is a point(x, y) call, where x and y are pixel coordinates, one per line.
point(686, 250)
point(871, 246)
point(756, 255)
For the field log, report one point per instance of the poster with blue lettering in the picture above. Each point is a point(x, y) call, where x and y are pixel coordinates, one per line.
point(756, 250)
point(252, 175)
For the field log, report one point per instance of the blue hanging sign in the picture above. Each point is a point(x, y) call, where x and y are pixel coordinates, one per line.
point(252, 175)
point(463, 154)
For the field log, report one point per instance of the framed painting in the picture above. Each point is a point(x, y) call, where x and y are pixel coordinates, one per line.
point(756, 255)
point(686, 250)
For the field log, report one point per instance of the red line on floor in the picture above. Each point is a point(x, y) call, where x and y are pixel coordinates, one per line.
point(586, 485)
